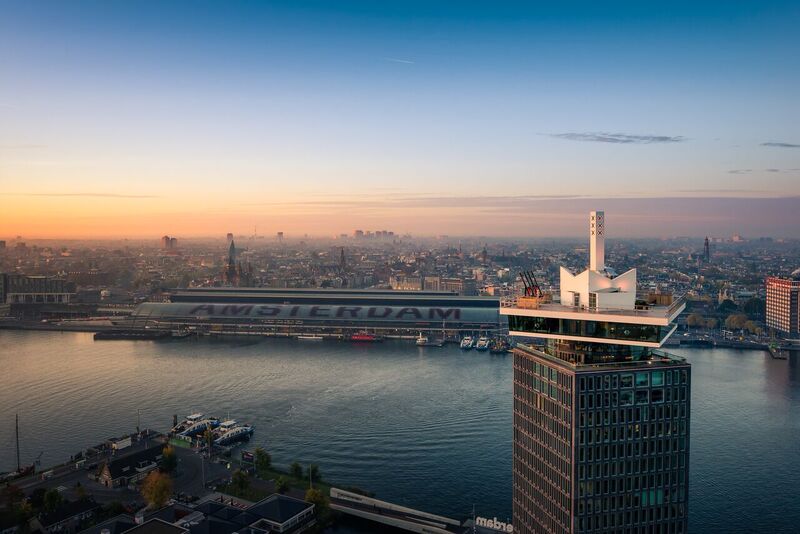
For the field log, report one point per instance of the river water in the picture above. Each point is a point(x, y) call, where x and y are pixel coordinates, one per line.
point(425, 427)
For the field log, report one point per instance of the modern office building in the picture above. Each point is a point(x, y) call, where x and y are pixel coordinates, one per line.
point(783, 305)
point(601, 415)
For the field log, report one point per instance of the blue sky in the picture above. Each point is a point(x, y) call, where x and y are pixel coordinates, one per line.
point(319, 116)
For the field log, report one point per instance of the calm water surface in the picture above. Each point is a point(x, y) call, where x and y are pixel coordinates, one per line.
point(425, 427)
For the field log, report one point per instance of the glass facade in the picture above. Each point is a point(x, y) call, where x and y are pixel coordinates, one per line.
point(588, 329)
point(600, 450)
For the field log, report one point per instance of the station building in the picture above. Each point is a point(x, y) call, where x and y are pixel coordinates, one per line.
point(266, 311)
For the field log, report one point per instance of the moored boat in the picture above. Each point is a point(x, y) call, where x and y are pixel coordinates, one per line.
point(467, 342)
point(482, 344)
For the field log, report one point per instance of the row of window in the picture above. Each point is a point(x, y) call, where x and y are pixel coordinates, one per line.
point(610, 381)
point(668, 519)
point(666, 413)
point(636, 449)
point(630, 397)
point(662, 470)
point(633, 432)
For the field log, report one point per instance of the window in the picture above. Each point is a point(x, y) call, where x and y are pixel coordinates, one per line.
point(626, 381)
point(642, 379)
point(657, 395)
point(657, 378)
point(642, 396)
point(626, 398)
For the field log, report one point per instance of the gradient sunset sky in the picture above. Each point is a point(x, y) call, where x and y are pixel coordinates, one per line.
point(465, 118)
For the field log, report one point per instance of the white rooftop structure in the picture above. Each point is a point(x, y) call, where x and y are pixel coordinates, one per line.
point(597, 296)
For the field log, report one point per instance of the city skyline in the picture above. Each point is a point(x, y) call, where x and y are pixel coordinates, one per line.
point(123, 121)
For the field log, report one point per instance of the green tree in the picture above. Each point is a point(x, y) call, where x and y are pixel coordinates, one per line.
point(262, 462)
point(208, 437)
point(52, 500)
point(312, 473)
point(727, 306)
point(282, 485)
point(296, 470)
point(169, 460)
point(240, 481)
point(318, 499)
point(157, 489)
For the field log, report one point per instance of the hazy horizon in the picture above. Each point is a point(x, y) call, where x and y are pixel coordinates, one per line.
point(143, 119)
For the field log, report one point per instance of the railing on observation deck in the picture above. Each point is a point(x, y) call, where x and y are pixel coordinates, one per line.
point(533, 303)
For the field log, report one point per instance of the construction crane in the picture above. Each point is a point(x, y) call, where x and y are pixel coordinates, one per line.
point(532, 288)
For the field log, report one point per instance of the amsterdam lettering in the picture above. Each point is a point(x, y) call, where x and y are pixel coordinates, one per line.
point(342, 312)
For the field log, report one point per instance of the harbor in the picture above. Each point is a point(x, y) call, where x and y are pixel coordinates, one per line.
point(384, 396)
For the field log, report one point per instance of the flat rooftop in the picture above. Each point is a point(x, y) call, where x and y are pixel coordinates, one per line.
point(658, 358)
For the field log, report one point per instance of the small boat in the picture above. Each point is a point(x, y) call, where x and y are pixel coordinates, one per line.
point(499, 346)
point(365, 336)
point(482, 344)
point(467, 342)
point(310, 337)
point(137, 335)
point(423, 341)
point(234, 434)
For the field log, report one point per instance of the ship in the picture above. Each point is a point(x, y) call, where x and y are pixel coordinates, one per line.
point(131, 334)
point(234, 434)
point(186, 423)
point(310, 337)
point(482, 344)
point(499, 346)
point(364, 336)
point(467, 342)
point(200, 426)
point(423, 341)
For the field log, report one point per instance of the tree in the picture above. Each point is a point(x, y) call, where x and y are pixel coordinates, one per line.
point(80, 491)
point(12, 494)
point(169, 460)
point(712, 323)
point(694, 319)
point(282, 485)
point(52, 499)
point(736, 321)
point(727, 306)
point(754, 308)
point(262, 462)
point(157, 489)
point(296, 470)
point(208, 437)
point(240, 480)
point(752, 327)
point(320, 502)
point(313, 473)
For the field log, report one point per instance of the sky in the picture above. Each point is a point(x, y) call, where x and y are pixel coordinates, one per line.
point(462, 118)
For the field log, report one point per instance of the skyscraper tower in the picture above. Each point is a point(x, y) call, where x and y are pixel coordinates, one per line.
point(601, 415)
point(706, 251)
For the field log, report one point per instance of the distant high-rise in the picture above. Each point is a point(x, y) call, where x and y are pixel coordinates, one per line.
point(165, 242)
point(601, 415)
point(783, 305)
point(229, 237)
point(706, 251)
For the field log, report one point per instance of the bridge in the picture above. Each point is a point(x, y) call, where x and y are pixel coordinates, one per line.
point(394, 515)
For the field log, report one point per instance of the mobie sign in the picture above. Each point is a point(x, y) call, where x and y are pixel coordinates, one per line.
point(494, 524)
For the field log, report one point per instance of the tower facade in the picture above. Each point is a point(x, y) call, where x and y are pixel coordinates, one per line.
point(783, 305)
point(601, 414)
